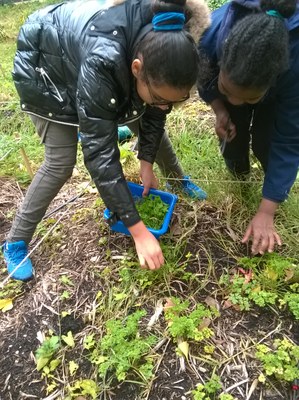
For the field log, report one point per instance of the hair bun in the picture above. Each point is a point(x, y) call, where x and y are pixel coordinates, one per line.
point(285, 8)
point(169, 6)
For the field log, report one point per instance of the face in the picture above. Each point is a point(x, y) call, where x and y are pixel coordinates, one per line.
point(238, 95)
point(158, 96)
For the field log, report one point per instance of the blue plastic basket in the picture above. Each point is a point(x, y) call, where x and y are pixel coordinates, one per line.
point(136, 191)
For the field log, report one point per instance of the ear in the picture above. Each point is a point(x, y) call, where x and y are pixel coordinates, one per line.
point(136, 67)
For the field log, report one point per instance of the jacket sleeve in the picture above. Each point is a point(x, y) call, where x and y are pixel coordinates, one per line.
point(152, 125)
point(284, 150)
point(97, 104)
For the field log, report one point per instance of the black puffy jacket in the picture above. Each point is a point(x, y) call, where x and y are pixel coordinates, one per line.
point(73, 66)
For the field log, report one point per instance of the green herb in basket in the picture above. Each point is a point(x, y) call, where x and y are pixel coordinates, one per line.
point(152, 211)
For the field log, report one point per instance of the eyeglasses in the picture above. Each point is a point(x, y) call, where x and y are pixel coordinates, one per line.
point(159, 101)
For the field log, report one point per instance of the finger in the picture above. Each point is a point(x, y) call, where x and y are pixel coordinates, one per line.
point(161, 259)
point(221, 133)
point(145, 191)
point(231, 133)
point(152, 263)
point(277, 238)
point(271, 243)
point(255, 243)
point(247, 234)
point(142, 261)
point(263, 244)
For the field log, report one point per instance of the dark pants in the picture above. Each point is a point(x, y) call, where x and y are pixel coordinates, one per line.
point(254, 124)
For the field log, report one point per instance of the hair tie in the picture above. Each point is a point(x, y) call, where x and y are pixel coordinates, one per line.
point(274, 13)
point(161, 19)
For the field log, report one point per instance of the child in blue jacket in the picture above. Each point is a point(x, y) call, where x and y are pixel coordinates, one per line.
point(253, 87)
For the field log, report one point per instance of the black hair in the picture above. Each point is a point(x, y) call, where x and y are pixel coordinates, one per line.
point(256, 50)
point(170, 57)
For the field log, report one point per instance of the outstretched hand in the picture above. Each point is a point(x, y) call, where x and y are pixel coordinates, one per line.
point(263, 233)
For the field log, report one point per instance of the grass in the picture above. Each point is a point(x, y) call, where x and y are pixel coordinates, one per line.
point(107, 289)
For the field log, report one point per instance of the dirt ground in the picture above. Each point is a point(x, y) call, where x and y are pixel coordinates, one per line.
point(74, 250)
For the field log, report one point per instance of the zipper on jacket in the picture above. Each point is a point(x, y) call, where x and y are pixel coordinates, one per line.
point(46, 77)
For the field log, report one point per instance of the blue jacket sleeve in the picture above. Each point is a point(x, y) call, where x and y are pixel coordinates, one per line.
point(284, 150)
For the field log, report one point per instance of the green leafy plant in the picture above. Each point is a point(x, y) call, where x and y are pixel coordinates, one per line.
point(203, 392)
point(183, 324)
point(280, 361)
point(46, 351)
point(292, 300)
point(152, 211)
point(123, 349)
point(264, 281)
point(83, 387)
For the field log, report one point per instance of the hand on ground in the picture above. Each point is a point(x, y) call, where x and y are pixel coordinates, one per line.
point(262, 231)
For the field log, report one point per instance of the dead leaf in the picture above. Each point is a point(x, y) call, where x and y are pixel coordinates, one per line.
point(154, 318)
point(169, 304)
point(211, 302)
point(6, 304)
point(247, 274)
point(292, 275)
point(228, 304)
point(205, 323)
point(231, 233)
point(184, 348)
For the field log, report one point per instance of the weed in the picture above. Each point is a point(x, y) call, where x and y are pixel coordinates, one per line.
point(12, 289)
point(175, 266)
point(280, 361)
point(46, 351)
point(83, 387)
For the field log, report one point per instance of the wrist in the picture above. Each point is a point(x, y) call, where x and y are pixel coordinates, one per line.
point(268, 207)
point(138, 230)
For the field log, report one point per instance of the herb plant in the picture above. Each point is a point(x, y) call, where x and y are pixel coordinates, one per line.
point(122, 349)
point(266, 283)
point(184, 325)
point(282, 361)
point(209, 390)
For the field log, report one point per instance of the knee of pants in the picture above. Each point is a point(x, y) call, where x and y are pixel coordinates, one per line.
point(62, 173)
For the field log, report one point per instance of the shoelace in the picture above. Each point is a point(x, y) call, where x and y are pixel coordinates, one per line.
point(17, 255)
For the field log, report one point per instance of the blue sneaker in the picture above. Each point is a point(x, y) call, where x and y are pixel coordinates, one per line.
point(188, 188)
point(124, 133)
point(14, 253)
